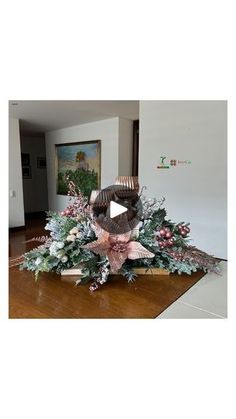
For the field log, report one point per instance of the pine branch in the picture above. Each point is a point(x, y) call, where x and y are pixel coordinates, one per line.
point(16, 261)
point(40, 239)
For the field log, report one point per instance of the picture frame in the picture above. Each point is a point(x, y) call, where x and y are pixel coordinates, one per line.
point(81, 162)
point(26, 172)
point(41, 163)
point(25, 159)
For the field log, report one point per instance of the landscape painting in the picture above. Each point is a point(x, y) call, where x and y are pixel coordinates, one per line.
point(81, 162)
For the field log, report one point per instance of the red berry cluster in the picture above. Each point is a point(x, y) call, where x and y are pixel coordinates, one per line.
point(183, 230)
point(165, 237)
point(68, 212)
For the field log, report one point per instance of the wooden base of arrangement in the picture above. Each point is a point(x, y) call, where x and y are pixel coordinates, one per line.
point(152, 271)
point(68, 274)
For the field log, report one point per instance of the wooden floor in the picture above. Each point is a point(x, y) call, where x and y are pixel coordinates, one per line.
point(50, 297)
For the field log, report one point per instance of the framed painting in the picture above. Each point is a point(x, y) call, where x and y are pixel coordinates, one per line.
point(26, 172)
point(81, 161)
point(25, 159)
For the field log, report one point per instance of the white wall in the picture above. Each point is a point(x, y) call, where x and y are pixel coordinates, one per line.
point(196, 192)
point(107, 131)
point(125, 146)
point(35, 189)
point(16, 204)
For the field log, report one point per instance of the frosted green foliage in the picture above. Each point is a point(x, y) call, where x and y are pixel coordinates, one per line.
point(68, 234)
point(150, 205)
point(60, 226)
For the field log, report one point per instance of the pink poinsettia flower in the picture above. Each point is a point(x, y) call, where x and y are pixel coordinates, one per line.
point(117, 248)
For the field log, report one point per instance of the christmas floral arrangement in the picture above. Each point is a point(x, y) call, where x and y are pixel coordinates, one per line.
point(76, 240)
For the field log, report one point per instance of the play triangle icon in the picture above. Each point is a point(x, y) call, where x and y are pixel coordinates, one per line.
point(116, 209)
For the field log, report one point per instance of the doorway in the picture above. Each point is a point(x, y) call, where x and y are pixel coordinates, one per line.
point(135, 148)
point(34, 174)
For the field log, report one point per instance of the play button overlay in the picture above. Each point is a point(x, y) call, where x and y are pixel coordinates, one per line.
point(117, 209)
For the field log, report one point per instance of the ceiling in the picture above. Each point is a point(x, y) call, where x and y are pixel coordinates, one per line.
point(46, 115)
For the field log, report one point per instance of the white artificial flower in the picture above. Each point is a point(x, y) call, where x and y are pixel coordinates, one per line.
point(64, 259)
point(53, 249)
point(70, 238)
point(38, 261)
point(60, 245)
point(60, 254)
point(134, 233)
point(74, 230)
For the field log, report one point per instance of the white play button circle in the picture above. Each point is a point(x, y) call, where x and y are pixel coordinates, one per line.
point(116, 209)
